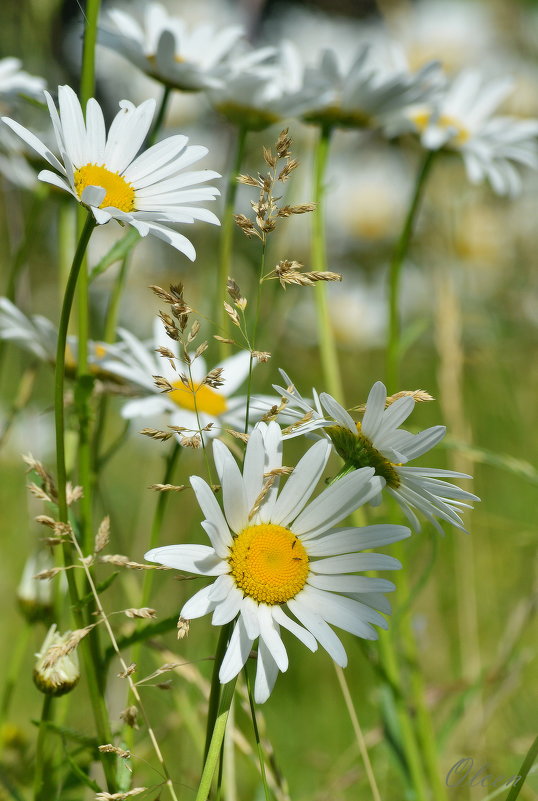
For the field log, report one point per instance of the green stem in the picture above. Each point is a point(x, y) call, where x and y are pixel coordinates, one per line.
point(217, 738)
point(214, 695)
point(41, 791)
point(92, 667)
point(254, 333)
point(226, 238)
point(159, 119)
point(87, 78)
point(14, 668)
point(327, 344)
point(398, 257)
point(259, 748)
point(528, 762)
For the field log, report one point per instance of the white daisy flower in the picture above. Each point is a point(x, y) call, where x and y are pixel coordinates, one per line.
point(378, 442)
point(101, 171)
point(270, 550)
point(39, 336)
point(257, 97)
point(15, 82)
point(462, 120)
point(369, 91)
point(166, 50)
point(192, 407)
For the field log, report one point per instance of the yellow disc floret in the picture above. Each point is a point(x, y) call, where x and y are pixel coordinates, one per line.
point(198, 397)
point(268, 563)
point(119, 192)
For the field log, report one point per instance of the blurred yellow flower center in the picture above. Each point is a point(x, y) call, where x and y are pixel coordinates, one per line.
point(198, 397)
point(269, 563)
point(423, 118)
point(119, 192)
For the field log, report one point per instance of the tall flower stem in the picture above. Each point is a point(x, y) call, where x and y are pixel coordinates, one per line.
point(398, 258)
point(214, 695)
point(91, 666)
point(161, 114)
point(226, 237)
point(40, 784)
point(327, 343)
point(217, 738)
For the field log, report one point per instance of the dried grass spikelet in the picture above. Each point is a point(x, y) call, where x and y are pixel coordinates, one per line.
point(195, 441)
point(168, 487)
point(143, 613)
point(267, 484)
point(306, 418)
point(48, 487)
point(214, 378)
point(108, 748)
point(418, 395)
point(130, 717)
point(235, 293)
point(155, 433)
point(267, 209)
point(290, 272)
point(232, 314)
point(183, 626)
point(102, 538)
point(261, 355)
point(104, 796)
point(128, 672)
point(238, 434)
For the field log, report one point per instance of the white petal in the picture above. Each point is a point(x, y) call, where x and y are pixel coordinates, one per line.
point(253, 467)
point(221, 588)
point(73, 127)
point(271, 637)
point(347, 540)
point(345, 613)
point(336, 502)
point(349, 563)
point(237, 653)
point(423, 442)
point(174, 238)
point(249, 613)
point(127, 133)
point(96, 132)
point(144, 407)
point(154, 158)
point(211, 509)
point(199, 559)
point(233, 487)
point(375, 406)
point(337, 411)
point(228, 608)
point(272, 437)
point(301, 633)
point(235, 371)
point(301, 484)
point(35, 143)
point(93, 195)
point(266, 674)
point(319, 628)
point(52, 178)
point(199, 605)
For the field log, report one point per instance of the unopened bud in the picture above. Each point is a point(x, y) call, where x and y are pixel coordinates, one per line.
point(55, 672)
point(34, 596)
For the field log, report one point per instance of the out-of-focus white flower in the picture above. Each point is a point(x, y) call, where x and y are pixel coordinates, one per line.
point(260, 96)
point(377, 85)
point(39, 336)
point(270, 550)
point(103, 172)
point(192, 406)
point(14, 81)
point(165, 49)
point(56, 671)
point(462, 120)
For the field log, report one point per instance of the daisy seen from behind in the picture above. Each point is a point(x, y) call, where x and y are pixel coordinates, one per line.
point(378, 442)
point(272, 549)
point(462, 119)
point(103, 172)
point(194, 403)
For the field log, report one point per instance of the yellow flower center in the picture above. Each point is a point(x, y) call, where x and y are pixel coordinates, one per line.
point(198, 397)
point(269, 563)
point(423, 118)
point(119, 192)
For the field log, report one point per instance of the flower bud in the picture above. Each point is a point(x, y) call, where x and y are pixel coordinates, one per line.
point(56, 671)
point(33, 595)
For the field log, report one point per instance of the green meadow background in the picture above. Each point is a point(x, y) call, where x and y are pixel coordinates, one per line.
point(470, 338)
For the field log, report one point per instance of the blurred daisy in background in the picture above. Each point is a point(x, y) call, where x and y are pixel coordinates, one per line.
point(15, 82)
point(271, 549)
point(379, 442)
point(461, 119)
point(103, 172)
point(165, 49)
point(191, 405)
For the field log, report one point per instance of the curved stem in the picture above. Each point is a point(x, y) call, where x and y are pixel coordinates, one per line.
point(226, 238)
point(398, 257)
point(327, 343)
point(41, 791)
point(217, 738)
point(254, 334)
point(259, 748)
point(159, 119)
point(214, 696)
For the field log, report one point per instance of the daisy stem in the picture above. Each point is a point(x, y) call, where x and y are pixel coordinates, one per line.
point(217, 738)
point(226, 237)
point(358, 732)
point(327, 344)
point(159, 119)
point(255, 333)
point(87, 78)
point(398, 257)
point(257, 737)
point(91, 665)
point(214, 695)
point(41, 791)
